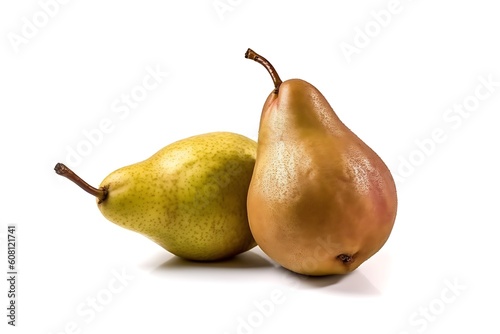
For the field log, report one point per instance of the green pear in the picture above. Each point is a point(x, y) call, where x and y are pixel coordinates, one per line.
point(189, 197)
point(321, 201)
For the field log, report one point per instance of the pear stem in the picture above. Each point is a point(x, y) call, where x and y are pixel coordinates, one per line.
point(251, 54)
point(100, 193)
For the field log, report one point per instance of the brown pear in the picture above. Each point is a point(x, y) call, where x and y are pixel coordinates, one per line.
point(320, 201)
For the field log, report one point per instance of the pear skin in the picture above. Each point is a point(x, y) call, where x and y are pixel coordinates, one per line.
point(320, 201)
point(189, 197)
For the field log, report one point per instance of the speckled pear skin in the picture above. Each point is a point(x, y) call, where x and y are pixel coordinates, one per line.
point(189, 197)
point(321, 201)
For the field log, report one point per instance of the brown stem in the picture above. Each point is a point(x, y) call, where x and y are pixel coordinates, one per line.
point(251, 54)
point(100, 193)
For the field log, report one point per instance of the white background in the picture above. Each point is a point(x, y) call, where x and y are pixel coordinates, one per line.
point(395, 91)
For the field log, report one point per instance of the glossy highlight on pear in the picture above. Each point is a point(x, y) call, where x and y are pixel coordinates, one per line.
point(320, 201)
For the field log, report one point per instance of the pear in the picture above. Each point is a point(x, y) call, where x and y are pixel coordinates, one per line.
point(320, 201)
point(189, 197)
